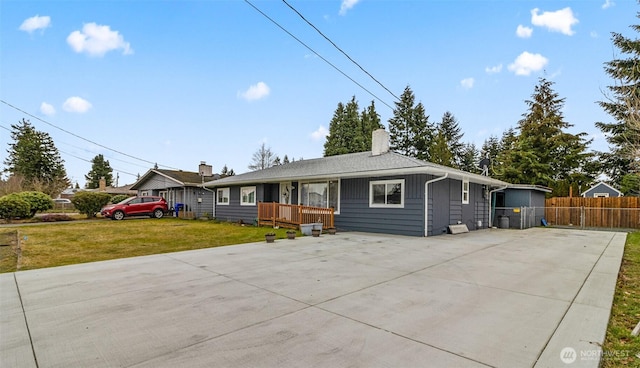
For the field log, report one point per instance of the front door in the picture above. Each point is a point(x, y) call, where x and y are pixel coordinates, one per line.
point(285, 192)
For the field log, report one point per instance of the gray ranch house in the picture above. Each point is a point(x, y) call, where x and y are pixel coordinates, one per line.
point(602, 190)
point(378, 191)
point(183, 190)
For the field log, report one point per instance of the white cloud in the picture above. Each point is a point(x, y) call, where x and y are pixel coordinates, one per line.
point(593, 34)
point(493, 69)
point(346, 5)
point(527, 62)
point(255, 92)
point(97, 40)
point(467, 83)
point(76, 104)
point(607, 4)
point(319, 134)
point(557, 21)
point(35, 23)
point(524, 32)
point(47, 109)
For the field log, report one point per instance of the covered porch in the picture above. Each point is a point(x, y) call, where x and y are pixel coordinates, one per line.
point(292, 216)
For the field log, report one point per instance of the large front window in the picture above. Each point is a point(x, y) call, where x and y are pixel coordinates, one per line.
point(248, 196)
point(386, 193)
point(320, 194)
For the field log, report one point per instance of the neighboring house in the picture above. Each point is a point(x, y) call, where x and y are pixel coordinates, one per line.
point(103, 188)
point(519, 206)
point(602, 190)
point(378, 191)
point(180, 187)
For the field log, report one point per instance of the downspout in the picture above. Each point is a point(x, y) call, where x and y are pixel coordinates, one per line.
point(213, 212)
point(490, 224)
point(426, 201)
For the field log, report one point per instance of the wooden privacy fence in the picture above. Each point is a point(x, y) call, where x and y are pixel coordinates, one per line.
point(292, 215)
point(618, 212)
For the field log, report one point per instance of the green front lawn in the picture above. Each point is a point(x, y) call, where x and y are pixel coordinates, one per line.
point(68, 243)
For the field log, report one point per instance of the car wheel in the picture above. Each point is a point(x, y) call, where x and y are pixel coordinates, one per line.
point(158, 213)
point(118, 215)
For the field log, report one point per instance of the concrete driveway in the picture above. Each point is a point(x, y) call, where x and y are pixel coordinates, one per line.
point(500, 298)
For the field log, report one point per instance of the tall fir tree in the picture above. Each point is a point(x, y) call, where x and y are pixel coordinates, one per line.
point(469, 158)
point(409, 130)
point(623, 105)
point(100, 168)
point(349, 130)
point(452, 146)
point(544, 153)
point(34, 157)
point(369, 122)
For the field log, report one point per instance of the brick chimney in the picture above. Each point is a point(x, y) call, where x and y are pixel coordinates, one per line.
point(102, 184)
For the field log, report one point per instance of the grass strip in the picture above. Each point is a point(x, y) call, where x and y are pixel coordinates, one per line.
point(620, 348)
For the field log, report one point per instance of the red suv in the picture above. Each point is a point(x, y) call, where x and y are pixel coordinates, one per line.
point(152, 206)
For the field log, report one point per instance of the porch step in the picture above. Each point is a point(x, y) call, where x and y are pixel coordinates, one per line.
point(458, 229)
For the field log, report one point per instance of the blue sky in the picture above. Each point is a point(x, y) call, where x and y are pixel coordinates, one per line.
point(179, 82)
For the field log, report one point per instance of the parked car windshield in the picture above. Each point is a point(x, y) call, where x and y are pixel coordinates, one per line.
point(127, 200)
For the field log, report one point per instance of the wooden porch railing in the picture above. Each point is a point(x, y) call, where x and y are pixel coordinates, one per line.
point(291, 215)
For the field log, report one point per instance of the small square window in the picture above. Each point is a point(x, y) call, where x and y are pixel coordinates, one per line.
point(386, 193)
point(222, 196)
point(248, 196)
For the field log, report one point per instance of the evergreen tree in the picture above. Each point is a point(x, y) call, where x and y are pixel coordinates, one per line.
point(623, 135)
point(226, 172)
point(451, 146)
point(440, 152)
point(349, 130)
point(543, 153)
point(409, 129)
point(369, 122)
point(99, 169)
point(335, 143)
point(34, 156)
point(469, 158)
point(285, 160)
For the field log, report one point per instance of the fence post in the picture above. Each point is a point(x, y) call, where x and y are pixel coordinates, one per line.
point(582, 214)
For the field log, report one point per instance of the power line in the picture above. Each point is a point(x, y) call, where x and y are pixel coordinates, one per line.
point(339, 49)
point(84, 139)
point(317, 54)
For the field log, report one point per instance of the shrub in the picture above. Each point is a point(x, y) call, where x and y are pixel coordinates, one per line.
point(55, 217)
point(13, 206)
point(90, 203)
point(119, 198)
point(38, 201)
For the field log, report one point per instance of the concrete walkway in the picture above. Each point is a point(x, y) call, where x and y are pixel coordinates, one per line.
point(499, 298)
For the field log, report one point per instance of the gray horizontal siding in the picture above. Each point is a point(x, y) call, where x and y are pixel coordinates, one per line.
point(234, 211)
point(356, 215)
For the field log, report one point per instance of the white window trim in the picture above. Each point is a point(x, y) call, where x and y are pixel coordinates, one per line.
point(144, 193)
point(386, 182)
point(225, 194)
point(255, 193)
point(465, 198)
point(600, 195)
point(336, 211)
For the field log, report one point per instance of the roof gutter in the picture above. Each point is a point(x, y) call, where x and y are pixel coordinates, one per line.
point(426, 200)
